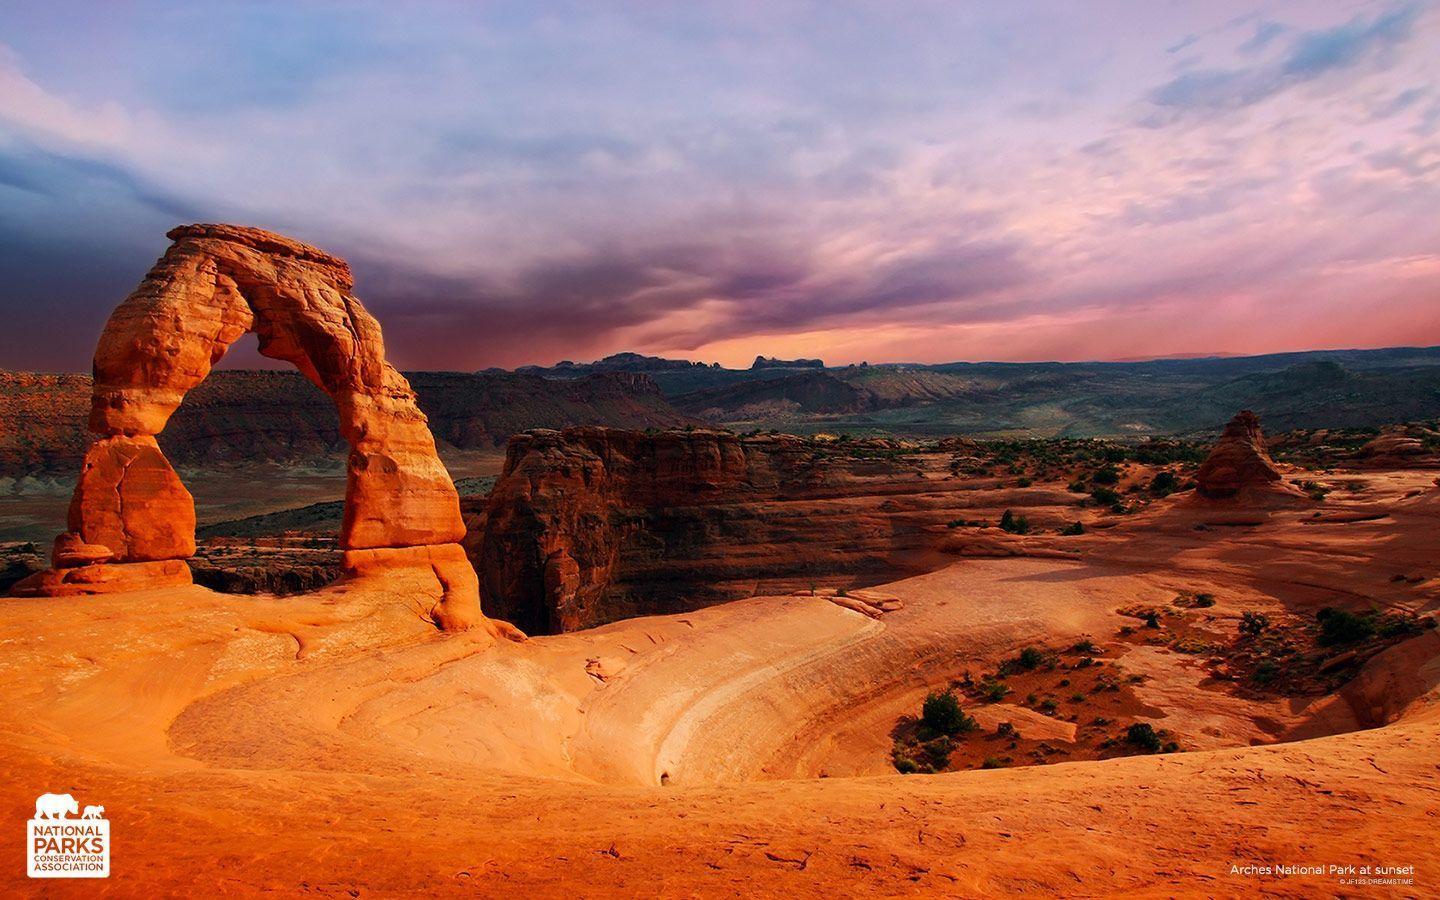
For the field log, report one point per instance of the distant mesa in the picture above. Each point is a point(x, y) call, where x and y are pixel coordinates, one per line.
point(131, 522)
point(771, 362)
point(617, 362)
point(1238, 462)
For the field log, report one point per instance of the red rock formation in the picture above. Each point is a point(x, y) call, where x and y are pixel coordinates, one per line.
point(591, 525)
point(1238, 462)
point(214, 284)
point(1398, 449)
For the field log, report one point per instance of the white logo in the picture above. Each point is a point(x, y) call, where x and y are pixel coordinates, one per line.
point(62, 847)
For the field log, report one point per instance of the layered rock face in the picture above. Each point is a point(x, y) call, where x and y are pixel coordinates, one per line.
point(592, 525)
point(1238, 462)
point(131, 522)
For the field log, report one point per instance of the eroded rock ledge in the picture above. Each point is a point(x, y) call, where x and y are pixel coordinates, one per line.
point(591, 525)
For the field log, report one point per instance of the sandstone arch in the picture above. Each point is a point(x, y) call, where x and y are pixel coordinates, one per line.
point(132, 522)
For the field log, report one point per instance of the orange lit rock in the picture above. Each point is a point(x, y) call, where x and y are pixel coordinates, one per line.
point(450, 587)
point(109, 578)
point(1238, 461)
point(214, 284)
point(130, 501)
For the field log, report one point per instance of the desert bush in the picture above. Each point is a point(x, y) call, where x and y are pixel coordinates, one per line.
point(993, 762)
point(936, 753)
point(1142, 735)
point(1085, 646)
point(1163, 484)
point(1105, 496)
point(1204, 601)
point(1029, 658)
point(942, 714)
point(1107, 475)
point(1253, 623)
point(993, 691)
point(1073, 528)
point(1340, 627)
point(1014, 524)
point(1265, 672)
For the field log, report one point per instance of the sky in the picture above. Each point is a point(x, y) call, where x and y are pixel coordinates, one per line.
point(518, 183)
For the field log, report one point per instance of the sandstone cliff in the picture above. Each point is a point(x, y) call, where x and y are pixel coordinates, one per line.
point(591, 525)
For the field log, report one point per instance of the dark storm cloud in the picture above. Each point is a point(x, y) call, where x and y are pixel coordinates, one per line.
point(581, 302)
point(57, 176)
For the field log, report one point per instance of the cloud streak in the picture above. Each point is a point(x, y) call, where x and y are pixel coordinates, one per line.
point(1310, 56)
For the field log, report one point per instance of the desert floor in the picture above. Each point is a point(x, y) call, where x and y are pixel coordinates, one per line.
point(335, 744)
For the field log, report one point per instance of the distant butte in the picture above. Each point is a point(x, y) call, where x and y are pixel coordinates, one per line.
point(1238, 462)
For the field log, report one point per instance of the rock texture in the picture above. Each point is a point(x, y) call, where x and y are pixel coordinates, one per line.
point(1399, 449)
point(214, 284)
point(593, 525)
point(1238, 462)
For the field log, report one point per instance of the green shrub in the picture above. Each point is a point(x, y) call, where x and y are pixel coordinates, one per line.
point(1163, 484)
point(1085, 646)
point(1340, 627)
point(1030, 658)
point(1105, 496)
point(1253, 623)
point(993, 691)
point(942, 714)
point(993, 762)
point(1013, 523)
point(1204, 601)
point(936, 753)
point(1265, 672)
point(1142, 735)
point(1107, 475)
point(1073, 528)
point(906, 766)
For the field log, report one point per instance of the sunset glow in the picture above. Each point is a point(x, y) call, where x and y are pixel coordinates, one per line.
point(522, 183)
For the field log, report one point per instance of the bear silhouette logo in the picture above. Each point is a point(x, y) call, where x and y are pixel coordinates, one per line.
point(60, 845)
point(55, 806)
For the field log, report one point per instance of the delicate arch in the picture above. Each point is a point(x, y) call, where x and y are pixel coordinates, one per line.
point(132, 522)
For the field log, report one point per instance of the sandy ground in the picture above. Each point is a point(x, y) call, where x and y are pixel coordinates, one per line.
point(334, 744)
